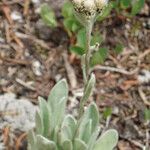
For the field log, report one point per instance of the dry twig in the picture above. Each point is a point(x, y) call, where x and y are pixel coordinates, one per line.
point(143, 97)
point(113, 69)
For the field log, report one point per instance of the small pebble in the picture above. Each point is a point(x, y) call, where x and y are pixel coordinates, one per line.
point(16, 16)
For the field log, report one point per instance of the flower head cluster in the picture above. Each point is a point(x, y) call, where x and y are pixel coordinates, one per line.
point(89, 8)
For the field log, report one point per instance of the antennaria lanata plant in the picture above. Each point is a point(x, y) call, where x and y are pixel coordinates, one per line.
point(56, 130)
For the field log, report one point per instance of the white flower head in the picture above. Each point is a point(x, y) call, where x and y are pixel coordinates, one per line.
point(100, 4)
point(87, 10)
point(77, 2)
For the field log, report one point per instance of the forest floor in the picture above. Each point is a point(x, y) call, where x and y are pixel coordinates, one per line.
point(34, 57)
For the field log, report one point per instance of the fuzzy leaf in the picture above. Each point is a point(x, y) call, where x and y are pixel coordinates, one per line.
point(87, 131)
point(68, 127)
point(93, 114)
point(89, 89)
point(107, 141)
point(57, 101)
point(93, 138)
point(79, 145)
point(45, 113)
point(59, 91)
point(56, 134)
point(45, 144)
point(90, 114)
point(38, 123)
point(31, 140)
point(67, 145)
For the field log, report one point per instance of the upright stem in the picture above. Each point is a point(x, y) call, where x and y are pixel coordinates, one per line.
point(88, 52)
point(86, 64)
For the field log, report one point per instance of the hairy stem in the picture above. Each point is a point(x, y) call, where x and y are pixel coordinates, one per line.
point(88, 52)
point(86, 64)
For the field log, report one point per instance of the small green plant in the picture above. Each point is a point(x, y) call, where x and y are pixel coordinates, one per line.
point(128, 8)
point(48, 16)
point(56, 130)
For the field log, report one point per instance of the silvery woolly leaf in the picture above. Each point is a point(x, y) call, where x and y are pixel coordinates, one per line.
point(68, 127)
point(87, 131)
point(67, 145)
point(89, 89)
point(92, 114)
point(59, 91)
point(39, 123)
point(60, 111)
point(31, 140)
point(79, 145)
point(55, 136)
point(93, 138)
point(57, 101)
point(65, 134)
point(45, 144)
point(45, 114)
point(107, 141)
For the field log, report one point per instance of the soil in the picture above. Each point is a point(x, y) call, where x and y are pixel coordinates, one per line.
point(33, 57)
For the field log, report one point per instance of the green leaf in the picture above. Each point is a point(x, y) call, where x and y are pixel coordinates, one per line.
point(81, 38)
point(75, 26)
point(68, 23)
point(70, 122)
point(59, 91)
point(99, 56)
point(31, 140)
point(57, 101)
point(79, 145)
point(91, 114)
point(147, 114)
point(137, 6)
point(67, 145)
point(45, 144)
point(93, 138)
point(87, 131)
point(31, 137)
point(67, 10)
point(45, 114)
point(107, 112)
point(77, 50)
point(39, 123)
point(48, 16)
point(65, 134)
point(71, 25)
point(125, 4)
point(119, 48)
point(68, 128)
point(105, 12)
point(96, 38)
point(89, 89)
point(107, 141)
point(55, 136)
